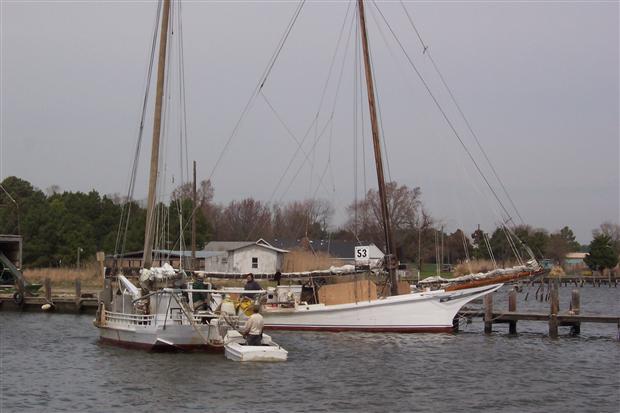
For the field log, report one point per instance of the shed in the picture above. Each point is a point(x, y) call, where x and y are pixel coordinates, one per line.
point(243, 257)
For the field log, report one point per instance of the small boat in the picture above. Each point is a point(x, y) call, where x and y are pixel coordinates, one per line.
point(235, 349)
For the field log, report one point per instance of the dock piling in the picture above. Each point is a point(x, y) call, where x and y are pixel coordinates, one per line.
point(575, 309)
point(512, 307)
point(554, 309)
point(488, 313)
point(47, 283)
point(78, 295)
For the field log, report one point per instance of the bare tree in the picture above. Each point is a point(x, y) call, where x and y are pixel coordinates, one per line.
point(406, 212)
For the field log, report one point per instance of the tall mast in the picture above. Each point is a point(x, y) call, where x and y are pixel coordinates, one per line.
point(387, 229)
point(150, 208)
point(193, 266)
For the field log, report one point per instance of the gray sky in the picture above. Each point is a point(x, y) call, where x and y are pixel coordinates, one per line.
point(538, 81)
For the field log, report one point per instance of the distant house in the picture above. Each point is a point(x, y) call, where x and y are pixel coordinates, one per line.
point(243, 257)
point(574, 261)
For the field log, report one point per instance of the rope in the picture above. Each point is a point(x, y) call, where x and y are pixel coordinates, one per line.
point(260, 84)
point(121, 235)
point(426, 50)
point(442, 112)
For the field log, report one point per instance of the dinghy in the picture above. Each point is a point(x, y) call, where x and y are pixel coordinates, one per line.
point(236, 349)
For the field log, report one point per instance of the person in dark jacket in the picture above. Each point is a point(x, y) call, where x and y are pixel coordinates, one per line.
point(251, 285)
point(277, 277)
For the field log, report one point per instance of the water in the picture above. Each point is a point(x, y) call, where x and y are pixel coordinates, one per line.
point(55, 363)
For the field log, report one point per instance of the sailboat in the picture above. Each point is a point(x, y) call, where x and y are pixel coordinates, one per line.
point(427, 311)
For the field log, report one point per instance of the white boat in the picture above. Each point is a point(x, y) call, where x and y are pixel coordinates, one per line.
point(423, 312)
point(237, 350)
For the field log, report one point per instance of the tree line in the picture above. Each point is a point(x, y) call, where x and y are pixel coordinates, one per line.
point(55, 224)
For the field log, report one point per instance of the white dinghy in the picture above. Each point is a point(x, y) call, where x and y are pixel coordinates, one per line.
point(236, 349)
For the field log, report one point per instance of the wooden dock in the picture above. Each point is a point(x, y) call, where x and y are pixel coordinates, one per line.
point(554, 318)
point(77, 303)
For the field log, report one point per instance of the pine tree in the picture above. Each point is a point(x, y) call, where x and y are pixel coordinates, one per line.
point(602, 254)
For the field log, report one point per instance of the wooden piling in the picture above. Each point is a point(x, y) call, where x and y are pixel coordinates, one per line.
point(78, 295)
point(512, 307)
point(554, 309)
point(488, 313)
point(575, 306)
point(47, 283)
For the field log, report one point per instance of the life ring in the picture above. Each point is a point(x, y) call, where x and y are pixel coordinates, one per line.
point(18, 298)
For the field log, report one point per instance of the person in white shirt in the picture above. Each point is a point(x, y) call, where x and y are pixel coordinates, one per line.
point(253, 329)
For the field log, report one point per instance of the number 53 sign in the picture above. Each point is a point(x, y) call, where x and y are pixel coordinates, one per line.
point(362, 254)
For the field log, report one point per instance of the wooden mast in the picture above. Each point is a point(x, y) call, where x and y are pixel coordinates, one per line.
point(149, 231)
point(387, 229)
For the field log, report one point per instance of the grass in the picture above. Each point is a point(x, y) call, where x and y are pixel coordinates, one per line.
point(299, 260)
point(64, 277)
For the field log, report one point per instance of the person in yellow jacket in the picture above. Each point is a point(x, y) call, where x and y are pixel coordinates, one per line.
point(253, 329)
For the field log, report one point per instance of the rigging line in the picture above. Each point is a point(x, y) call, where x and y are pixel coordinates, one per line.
point(259, 86)
point(377, 88)
point(443, 113)
point(288, 130)
point(315, 121)
point(323, 131)
point(361, 92)
point(183, 90)
point(426, 50)
point(333, 111)
point(134, 169)
point(355, 134)
point(333, 59)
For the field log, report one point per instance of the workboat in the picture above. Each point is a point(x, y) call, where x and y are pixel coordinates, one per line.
point(237, 350)
point(165, 319)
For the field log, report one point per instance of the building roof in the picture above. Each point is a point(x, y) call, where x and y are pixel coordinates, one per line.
point(576, 255)
point(335, 248)
point(226, 245)
point(223, 246)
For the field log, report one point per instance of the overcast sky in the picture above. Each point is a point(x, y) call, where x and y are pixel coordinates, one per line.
point(537, 80)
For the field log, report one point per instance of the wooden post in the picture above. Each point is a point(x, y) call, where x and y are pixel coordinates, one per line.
point(21, 289)
point(554, 309)
point(575, 306)
point(78, 295)
point(106, 295)
point(48, 289)
point(488, 313)
point(512, 307)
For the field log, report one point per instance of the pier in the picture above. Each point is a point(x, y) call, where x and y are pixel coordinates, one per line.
point(572, 318)
point(78, 302)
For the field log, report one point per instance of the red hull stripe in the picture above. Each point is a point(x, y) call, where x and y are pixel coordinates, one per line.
point(162, 347)
point(374, 329)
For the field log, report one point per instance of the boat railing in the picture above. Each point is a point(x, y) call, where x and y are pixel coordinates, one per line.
point(131, 319)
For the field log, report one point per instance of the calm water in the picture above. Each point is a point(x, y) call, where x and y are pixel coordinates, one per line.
point(54, 363)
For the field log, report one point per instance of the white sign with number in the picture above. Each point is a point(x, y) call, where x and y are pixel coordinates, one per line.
point(362, 254)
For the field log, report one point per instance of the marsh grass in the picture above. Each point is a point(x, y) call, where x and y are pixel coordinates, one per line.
point(64, 277)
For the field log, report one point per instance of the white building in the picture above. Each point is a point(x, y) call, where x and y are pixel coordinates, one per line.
point(258, 257)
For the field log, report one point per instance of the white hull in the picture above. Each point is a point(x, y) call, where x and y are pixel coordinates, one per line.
point(432, 311)
point(155, 332)
point(236, 350)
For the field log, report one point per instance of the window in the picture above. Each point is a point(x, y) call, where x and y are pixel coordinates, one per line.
point(224, 260)
point(254, 262)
